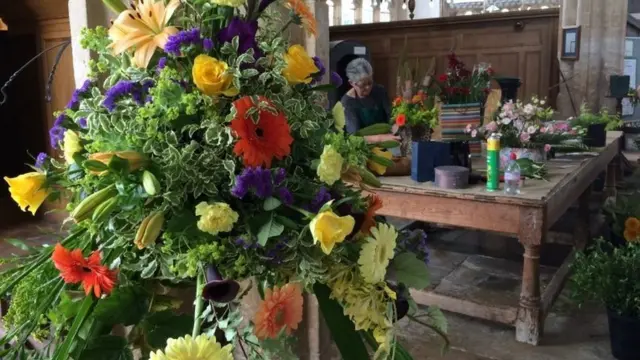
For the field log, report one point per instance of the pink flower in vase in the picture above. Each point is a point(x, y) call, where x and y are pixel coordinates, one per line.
point(525, 137)
point(468, 128)
point(543, 130)
point(474, 133)
point(492, 127)
point(547, 147)
point(532, 130)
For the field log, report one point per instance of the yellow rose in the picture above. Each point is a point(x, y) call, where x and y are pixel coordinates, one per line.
point(330, 167)
point(28, 190)
point(231, 3)
point(374, 166)
point(71, 146)
point(328, 229)
point(300, 66)
point(339, 118)
point(211, 77)
point(216, 218)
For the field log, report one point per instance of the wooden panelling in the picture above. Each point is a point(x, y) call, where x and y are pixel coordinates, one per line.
point(515, 44)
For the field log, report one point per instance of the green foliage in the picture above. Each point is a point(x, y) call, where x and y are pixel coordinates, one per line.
point(411, 271)
point(619, 208)
point(610, 275)
point(353, 149)
point(107, 347)
point(586, 118)
point(163, 325)
point(134, 299)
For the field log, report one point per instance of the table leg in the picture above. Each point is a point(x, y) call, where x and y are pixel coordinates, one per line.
point(530, 320)
point(582, 228)
point(612, 174)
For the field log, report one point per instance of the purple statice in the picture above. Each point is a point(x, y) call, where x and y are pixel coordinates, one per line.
point(42, 157)
point(82, 122)
point(162, 63)
point(137, 91)
point(244, 183)
point(241, 242)
point(416, 242)
point(207, 44)
point(246, 33)
point(56, 133)
point(317, 77)
point(78, 94)
point(336, 79)
point(322, 197)
point(120, 89)
point(263, 184)
point(285, 196)
point(279, 177)
point(183, 38)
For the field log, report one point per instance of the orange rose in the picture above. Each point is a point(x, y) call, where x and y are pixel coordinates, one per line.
point(632, 223)
point(631, 235)
point(397, 101)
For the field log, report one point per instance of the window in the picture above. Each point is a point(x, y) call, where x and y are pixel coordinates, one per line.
point(348, 13)
point(331, 11)
point(367, 12)
point(385, 14)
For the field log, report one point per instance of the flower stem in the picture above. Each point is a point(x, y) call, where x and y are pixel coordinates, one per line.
point(286, 25)
point(199, 305)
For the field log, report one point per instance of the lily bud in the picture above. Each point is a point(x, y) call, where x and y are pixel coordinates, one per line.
point(115, 5)
point(105, 209)
point(150, 183)
point(149, 230)
point(135, 159)
point(87, 206)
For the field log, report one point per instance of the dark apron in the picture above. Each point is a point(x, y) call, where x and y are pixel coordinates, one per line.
point(370, 116)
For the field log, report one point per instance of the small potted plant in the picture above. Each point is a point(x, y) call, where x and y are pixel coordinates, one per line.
point(596, 125)
point(611, 275)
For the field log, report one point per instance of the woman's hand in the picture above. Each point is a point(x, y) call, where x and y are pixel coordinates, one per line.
point(372, 139)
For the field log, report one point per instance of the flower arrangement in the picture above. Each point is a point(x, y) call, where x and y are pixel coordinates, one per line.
point(459, 85)
point(205, 158)
point(527, 125)
point(622, 214)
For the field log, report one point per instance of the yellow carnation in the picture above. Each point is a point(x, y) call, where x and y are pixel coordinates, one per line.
point(330, 167)
point(211, 77)
point(215, 218)
point(376, 253)
point(374, 166)
point(71, 146)
point(300, 66)
point(28, 190)
point(201, 347)
point(231, 3)
point(328, 229)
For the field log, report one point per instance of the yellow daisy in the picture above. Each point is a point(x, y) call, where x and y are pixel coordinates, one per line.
point(376, 253)
point(187, 348)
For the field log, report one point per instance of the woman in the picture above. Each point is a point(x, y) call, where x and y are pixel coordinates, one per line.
point(365, 103)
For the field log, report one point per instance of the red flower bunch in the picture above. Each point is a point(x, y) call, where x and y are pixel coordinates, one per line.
point(75, 268)
point(460, 85)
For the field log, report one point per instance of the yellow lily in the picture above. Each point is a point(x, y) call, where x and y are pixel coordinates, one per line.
point(144, 27)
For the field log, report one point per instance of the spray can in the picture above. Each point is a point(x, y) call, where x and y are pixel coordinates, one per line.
point(493, 162)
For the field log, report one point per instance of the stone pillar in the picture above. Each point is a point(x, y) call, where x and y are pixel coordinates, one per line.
point(82, 14)
point(603, 28)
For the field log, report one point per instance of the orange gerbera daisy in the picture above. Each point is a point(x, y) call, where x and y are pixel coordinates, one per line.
point(74, 268)
point(375, 204)
point(306, 16)
point(260, 141)
point(632, 223)
point(281, 308)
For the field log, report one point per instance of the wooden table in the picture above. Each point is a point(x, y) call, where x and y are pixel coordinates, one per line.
point(527, 217)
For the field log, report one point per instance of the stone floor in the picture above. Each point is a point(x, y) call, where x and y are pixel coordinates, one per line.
point(570, 333)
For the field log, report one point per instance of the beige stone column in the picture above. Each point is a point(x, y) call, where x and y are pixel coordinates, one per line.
point(82, 14)
point(603, 27)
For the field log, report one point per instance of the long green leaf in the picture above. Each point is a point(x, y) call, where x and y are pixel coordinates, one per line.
point(343, 331)
point(62, 352)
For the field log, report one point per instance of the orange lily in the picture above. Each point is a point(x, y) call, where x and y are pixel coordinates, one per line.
point(144, 27)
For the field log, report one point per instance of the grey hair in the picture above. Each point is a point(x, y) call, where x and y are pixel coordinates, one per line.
point(358, 69)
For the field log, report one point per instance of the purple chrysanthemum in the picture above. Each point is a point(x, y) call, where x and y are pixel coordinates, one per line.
point(207, 44)
point(82, 122)
point(183, 38)
point(317, 77)
point(336, 79)
point(262, 182)
point(285, 196)
point(42, 157)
